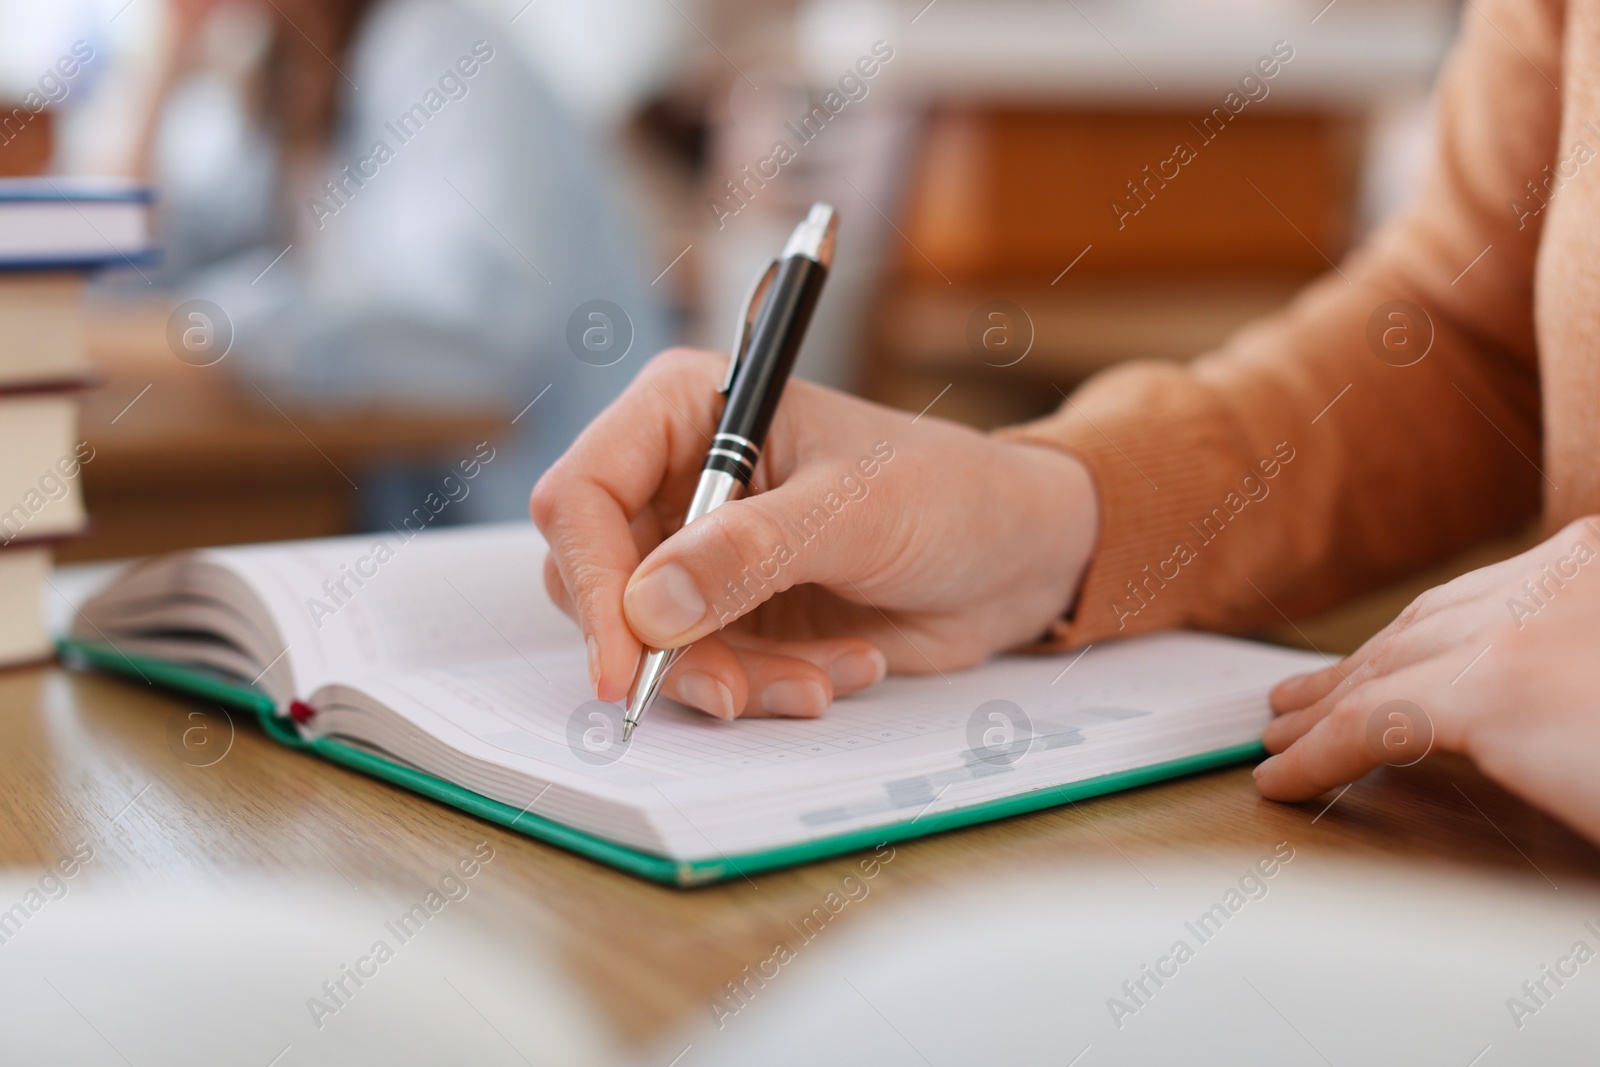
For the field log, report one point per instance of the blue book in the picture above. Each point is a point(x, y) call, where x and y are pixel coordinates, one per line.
point(53, 224)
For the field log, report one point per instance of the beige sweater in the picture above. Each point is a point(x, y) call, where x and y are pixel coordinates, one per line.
point(1294, 467)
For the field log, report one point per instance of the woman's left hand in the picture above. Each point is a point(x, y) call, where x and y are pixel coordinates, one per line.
point(1502, 664)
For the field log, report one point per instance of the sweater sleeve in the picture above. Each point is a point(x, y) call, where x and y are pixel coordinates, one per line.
point(1386, 419)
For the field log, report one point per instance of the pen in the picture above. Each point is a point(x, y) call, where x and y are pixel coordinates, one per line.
point(773, 324)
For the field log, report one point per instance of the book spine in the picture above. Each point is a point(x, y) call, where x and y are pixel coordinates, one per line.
point(90, 378)
point(51, 540)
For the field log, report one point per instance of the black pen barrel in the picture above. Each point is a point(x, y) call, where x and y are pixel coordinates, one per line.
point(758, 386)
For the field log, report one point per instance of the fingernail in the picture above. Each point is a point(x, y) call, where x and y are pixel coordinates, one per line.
point(857, 670)
point(706, 693)
point(665, 603)
point(1261, 768)
point(594, 662)
point(794, 699)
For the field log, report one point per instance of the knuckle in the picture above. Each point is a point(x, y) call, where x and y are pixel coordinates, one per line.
point(1416, 610)
point(1460, 589)
point(748, 533)
point(1328, 678)
point(1383, 656)
point(543, 499)
point(1348, 715)
point(591, 594)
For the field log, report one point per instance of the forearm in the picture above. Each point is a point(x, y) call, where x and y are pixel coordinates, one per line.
point(1308, 460)
point(1288, 472)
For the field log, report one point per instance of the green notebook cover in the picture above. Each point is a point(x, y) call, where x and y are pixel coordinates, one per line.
point(241, 696)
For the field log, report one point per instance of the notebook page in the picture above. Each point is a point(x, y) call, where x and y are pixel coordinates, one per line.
point(382, 602)
point(877, 757)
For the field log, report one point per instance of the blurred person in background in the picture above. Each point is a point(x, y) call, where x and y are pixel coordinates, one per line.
point(439, 218)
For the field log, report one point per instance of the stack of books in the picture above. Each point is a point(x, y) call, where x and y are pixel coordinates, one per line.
point(53, 232)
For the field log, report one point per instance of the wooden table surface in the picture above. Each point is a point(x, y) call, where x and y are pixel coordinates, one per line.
point(76, 749)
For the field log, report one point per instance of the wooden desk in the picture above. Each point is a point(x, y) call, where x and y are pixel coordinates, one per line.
point(74, 749)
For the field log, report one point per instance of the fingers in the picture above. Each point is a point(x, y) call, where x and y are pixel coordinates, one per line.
point(646, 529)
point(644, 444)
point(593, 553)
point(727, 563)
point(1303, 690)
point(851, 663)
point(1332, 742)
point(1294, 722)
point(757, 678)
point(785, 686)
point(1332, 729)
point(709, 677)
point(1333, 752)
point(666, 608)
point(1426, 627)
point(1291, 726)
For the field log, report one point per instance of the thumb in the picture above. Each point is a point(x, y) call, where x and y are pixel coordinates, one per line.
point(725, 564)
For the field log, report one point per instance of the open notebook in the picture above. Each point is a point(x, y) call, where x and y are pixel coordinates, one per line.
point(439, 663)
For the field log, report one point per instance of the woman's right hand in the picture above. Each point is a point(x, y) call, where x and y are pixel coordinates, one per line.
point(870, 541)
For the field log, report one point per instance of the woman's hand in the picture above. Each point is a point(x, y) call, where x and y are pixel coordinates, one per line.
point(872, 541)
point(1502, 664)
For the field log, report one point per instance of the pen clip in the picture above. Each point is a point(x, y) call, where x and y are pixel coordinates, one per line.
point(751, 309)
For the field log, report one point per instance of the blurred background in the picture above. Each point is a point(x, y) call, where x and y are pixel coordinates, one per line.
point(1030, 192)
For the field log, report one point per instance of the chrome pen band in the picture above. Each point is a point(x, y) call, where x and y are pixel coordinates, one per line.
point(733, 455)
point(738, 447)
point(739, 457)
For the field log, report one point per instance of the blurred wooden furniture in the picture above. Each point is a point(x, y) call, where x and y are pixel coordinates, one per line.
point(1018, 192)
point(188, 456)
point(1038, 117)
point(1104, 246)
point(26, 140)
point(75, 749)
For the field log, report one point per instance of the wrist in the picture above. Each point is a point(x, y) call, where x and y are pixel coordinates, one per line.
point(1059, 522)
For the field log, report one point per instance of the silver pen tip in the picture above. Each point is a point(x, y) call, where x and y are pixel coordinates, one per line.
point(646, 684)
